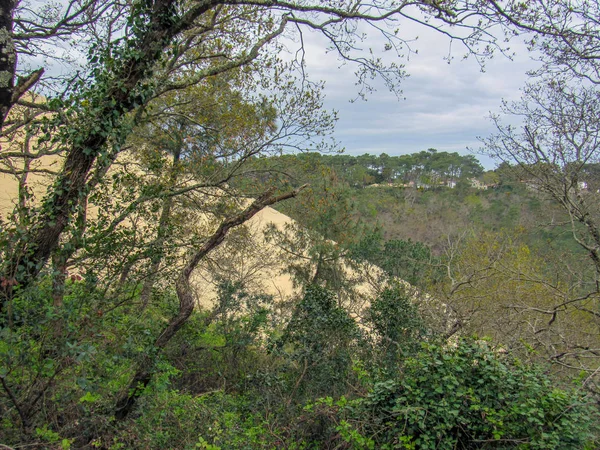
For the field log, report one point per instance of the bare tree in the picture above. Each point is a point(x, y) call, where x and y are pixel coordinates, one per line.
point(558, 141)
point(566, 34)
point(29, 32)
point(556, 150)
point(539, 308)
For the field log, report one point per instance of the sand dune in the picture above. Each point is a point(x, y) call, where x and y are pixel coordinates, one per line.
point(258, 263)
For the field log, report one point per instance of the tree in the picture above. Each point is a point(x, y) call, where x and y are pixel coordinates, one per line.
point(209, 135)
point(566, 34)
point(316, 248)
point(535, 307)
point(133, 57)
point(320, 337)
point(185, 294)
point(559, 138)
point(411, 262)
point(397, 329)
point(138, 51)
point(184, 158)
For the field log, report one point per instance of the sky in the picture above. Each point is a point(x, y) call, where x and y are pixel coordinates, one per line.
point(445, 106)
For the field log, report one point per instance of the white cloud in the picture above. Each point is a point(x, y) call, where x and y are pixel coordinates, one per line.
point(446, 105)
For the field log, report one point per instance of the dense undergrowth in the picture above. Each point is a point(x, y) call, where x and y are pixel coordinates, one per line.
point(247, 375)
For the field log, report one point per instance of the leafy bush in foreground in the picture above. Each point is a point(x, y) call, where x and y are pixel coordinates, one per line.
point(465, 397)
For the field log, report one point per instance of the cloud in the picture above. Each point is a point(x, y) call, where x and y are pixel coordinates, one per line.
point(445, 107)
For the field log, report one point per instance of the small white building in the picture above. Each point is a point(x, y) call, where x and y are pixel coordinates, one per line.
point(475, 183)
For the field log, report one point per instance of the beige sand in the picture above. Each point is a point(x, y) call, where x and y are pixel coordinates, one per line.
point(260, 265)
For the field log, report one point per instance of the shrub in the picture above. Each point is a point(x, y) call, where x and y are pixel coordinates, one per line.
point(467, 396)
point(319, 341)
point(397, 327)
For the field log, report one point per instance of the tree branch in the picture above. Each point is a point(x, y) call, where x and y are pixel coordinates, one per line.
point(186, 296)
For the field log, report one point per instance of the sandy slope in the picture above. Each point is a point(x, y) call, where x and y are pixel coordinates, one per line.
point(260, 265)
point(37, 182)
point(255, 261)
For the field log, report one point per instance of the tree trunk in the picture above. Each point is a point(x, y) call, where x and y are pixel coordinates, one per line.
point(116, 94)
point(8, 58)
point(185, 294)
point(59, 278)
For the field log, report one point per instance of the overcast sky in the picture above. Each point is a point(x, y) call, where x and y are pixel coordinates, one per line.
point(445, 107)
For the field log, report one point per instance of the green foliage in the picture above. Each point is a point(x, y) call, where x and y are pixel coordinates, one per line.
point(426, 167)
point(470, 395)
point(64, 365)
point(318, 246)
point(409, 261)
point(50, 437)
point(214, 420)
point(319, 340)
point(217, 386)
point(208, 93)
point(218, 349)
point(398, 328)
point(406, 260)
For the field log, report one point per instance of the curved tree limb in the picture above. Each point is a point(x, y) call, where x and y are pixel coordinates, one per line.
point(185, 294)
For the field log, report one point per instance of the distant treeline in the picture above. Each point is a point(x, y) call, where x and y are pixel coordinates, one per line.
point(429, 167)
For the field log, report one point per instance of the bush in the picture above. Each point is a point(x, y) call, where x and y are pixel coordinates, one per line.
point(216, 420)
point(467, 396)
point(397, 327)
point(318, 344)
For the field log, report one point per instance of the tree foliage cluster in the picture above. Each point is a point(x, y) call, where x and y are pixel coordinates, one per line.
point(425, 168)
point(428, 167)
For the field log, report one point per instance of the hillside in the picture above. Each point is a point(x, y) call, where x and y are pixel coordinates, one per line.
point(189, 260)
point(465, 197)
